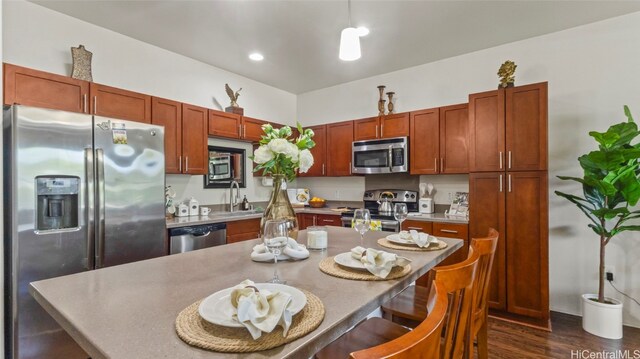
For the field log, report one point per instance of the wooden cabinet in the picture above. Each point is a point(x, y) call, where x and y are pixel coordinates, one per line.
point(311, 219)
point(515, 204)
point(30, 87)
point(339, 140)
point(439, 142)
point(118, 103)
point(487, 197)
point(422, 226)
point(388, 126)
point(319, 153)
point(252, 128)
point(229, 125)
point(194, 140)
point(454, 126)
point(224, 124)
point(168, 113)
point(508, 129)
point(424, 141)
point(243, 230)
point(527, 249)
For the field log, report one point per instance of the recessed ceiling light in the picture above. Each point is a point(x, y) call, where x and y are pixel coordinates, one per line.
point(256, 56)
point(363, 31)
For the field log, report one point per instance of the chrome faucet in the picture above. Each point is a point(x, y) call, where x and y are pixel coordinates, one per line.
point(233, 202)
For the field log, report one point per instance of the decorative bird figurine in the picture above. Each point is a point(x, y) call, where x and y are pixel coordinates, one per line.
point(232, 96)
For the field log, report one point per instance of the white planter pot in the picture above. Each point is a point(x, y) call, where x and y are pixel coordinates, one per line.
point(603, 320)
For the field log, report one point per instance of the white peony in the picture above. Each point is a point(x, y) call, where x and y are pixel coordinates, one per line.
point(293, 152)
point(262, 155)
point(279, 145)
point(306, 160)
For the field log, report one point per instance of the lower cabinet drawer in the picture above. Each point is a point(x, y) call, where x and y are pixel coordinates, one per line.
point(328, 220)
point(449, 230)
point(421, 226)
point(242, 237)
point(243, 230)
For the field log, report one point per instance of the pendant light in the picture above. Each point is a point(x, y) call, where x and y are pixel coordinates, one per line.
point(349, 41)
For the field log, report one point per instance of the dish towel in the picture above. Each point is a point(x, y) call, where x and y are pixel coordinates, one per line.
point(419, 238)
point(378, 263)
point(374, 225)
point(293, 250)
point(260, 311)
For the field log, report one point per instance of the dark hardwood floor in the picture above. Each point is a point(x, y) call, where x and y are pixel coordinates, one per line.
point(508, 340)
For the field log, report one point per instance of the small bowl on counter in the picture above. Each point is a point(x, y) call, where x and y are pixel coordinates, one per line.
point(317, 204)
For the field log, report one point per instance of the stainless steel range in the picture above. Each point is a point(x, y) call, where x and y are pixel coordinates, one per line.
point(371, 202)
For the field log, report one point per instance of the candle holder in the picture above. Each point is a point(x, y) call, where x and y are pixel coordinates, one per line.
point(390, 104)
point(381, 101)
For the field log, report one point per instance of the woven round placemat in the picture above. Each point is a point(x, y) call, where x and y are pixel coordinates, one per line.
point(330, 267)
point(194, 330)
point(387, 244)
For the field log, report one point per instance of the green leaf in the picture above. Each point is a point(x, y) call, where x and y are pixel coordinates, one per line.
point(299, 127)
point(597, 228)
point(617, 135)
point(627, 113)
point(630, 186)
point(609, 214)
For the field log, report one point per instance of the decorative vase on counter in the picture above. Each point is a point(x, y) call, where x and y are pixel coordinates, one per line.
point(279, 207)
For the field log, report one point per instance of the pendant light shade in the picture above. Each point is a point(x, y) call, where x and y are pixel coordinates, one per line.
point(350, 44)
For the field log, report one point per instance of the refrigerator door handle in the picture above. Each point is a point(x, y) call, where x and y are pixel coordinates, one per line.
point(90, 203)
point(99, 255)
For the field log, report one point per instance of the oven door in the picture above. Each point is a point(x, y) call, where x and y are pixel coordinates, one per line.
point(387, 226)
point(380, 156)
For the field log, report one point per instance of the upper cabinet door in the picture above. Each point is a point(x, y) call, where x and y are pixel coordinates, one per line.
point(486, 131)
point(319, 167)
point(454, 139)
point(252, 128)
point(339, 140)
point(526, 129)
point(424, 141)
point(366, 129)
point(194, 140)
point(41, 89)
point(224, 124)
point(117, 103)
point(396, 125)
point(168, 113)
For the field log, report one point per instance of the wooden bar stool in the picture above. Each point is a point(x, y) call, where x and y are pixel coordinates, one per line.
point(407, 309)
point(380, 338)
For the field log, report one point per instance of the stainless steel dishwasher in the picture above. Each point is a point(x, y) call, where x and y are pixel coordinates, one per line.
point(185, 239)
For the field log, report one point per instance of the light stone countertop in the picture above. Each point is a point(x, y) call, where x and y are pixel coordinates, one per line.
point(129, 311)
point(213, 217)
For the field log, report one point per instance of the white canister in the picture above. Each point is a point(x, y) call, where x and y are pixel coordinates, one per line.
point(182, 210)
point(317, 238)
point(194, 207)
point(426, 205)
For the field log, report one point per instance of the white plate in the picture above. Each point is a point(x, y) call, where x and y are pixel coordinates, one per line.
point(395, 238)
point(346, 260)
point(217, 308)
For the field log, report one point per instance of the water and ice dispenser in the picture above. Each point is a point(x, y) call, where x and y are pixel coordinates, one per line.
point(57, 202)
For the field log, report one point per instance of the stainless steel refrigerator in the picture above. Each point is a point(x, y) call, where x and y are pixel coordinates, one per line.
point(81, 192)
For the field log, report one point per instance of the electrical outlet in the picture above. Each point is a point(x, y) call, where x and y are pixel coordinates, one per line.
point(610, 269)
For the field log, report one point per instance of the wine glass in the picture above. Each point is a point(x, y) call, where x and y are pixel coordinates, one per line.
point(400, 213)
point(275, 237)
point(361, 222)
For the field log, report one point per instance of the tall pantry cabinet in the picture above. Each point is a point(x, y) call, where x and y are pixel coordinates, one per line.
point(508, 185)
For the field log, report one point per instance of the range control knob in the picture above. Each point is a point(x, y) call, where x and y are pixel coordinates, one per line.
point(413, 196)
point(406, 195)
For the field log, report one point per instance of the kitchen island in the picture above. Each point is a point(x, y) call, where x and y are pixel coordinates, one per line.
point(129, 311)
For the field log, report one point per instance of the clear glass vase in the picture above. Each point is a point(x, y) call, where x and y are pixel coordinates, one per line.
point(279, 207)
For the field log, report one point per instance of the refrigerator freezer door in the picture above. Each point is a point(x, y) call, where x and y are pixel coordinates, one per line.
point(130, 216)
point(44, 167)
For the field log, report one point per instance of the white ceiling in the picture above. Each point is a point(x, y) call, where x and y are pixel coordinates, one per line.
point(299, 39)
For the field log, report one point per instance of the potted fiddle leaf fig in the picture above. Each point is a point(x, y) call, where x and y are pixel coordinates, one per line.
point(611, 188)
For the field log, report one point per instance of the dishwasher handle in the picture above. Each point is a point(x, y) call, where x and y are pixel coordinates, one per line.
point(197, 231)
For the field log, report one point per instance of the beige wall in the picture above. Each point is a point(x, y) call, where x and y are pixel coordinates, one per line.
point(592, 72)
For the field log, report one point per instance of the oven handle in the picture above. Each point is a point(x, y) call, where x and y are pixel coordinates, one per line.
point(348, 220)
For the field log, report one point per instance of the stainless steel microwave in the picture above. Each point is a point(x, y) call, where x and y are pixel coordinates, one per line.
point(220, 166)
point(389, 155)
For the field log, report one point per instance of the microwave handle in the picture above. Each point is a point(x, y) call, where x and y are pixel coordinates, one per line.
point(390, 154)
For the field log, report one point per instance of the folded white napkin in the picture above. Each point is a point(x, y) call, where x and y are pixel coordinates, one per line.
point(260, 311)
point(293, 250)
point(378, 263)
point(419, 238)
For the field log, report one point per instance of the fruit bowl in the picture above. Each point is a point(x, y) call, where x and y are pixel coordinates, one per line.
point(317, 204)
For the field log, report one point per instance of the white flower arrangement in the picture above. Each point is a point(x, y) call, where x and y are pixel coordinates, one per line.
point(280, 155)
